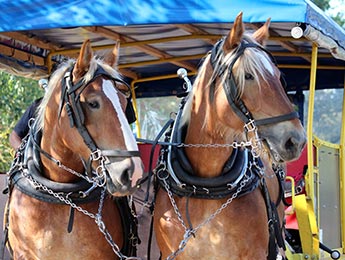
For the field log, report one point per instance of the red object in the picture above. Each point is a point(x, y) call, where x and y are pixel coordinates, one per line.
point(291, 220)
point(145, 151)
point(295, 168)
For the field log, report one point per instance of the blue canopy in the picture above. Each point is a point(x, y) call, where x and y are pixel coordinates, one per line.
point(42, 14)
point(43, 28)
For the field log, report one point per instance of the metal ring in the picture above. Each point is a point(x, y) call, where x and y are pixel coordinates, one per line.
point(162, 174)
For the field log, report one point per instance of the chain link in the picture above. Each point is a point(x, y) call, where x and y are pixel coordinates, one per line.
point(97, 217)
point(191, 232)
point(99, 180)
point(243, 144)
point(173, 203)
point(254, 144)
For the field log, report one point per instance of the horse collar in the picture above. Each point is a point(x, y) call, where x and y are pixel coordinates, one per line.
point(183, 182)
point(28, 179)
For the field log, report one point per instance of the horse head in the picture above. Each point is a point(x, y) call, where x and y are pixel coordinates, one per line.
point(85, 126)
point(246, 91)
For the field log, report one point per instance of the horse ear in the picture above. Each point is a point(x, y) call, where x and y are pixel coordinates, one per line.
point(113, 57)
point(234, 37)
point(83, 62)
point(262, 34)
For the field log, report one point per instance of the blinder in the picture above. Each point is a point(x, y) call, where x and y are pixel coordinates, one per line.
point(74, 110)
point(231, 90)
point(71, 101)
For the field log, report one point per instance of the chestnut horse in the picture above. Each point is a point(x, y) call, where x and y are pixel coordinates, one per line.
point(220, 196)
point(69, 183)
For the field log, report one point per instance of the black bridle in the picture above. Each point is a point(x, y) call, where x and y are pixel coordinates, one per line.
point(231, 89)
point(70, 99)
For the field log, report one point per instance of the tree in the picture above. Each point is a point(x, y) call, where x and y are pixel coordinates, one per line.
point(340, 19)
point(16, 94)
point(325, 5)
point(322, 4)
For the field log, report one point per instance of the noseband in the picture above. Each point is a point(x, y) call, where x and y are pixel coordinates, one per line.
point(70, 99)
point(231, 90)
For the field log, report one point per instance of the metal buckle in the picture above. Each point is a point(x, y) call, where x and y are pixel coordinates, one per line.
point(250, 126)
point(96, 155)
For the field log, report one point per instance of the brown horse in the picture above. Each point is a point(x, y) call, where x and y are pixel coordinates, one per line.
point(80, 158)
point(220, 195)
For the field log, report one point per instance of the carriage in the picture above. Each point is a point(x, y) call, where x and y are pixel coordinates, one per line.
point(158, 38)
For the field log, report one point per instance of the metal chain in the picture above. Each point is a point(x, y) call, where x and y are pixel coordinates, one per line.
point(243, 144)
point(99, 180)
point(253, 143)
point(173, 203)
point(191, 232)
point(97, 217)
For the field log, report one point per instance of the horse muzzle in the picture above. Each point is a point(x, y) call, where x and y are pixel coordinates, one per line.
point(285, 146)
point(123, 176)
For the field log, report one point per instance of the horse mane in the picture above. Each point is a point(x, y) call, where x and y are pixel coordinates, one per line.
point(57, 76)
point(254, 61)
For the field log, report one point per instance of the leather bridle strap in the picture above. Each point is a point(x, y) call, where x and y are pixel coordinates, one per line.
point(231, 90)
point(276, 119)
point(119, 153)
point(71, 100)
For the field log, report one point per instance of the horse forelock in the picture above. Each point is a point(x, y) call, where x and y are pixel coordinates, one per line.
point(253, 61)
point(56, 80)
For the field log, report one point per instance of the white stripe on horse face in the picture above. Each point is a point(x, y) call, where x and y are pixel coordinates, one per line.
point(111, 93)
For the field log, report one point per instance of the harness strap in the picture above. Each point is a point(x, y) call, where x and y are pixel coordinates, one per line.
point(120, 153)
point(276, 119)
point(275, 234)
point(167, 125)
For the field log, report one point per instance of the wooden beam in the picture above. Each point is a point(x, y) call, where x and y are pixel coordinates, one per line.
point(145, 48)
point(196, 30)
point(285, 44)
point(33, 40)
point(160, 61)
point(128, 73)
point(21, 55)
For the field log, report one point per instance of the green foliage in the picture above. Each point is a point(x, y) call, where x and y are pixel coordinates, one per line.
point(339, 18)
point(16, 94)
point(327, 114)
point(323, 4)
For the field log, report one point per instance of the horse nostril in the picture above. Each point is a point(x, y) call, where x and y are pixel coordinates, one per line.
point(125, 176)
point(290, 143)
point(295, 144)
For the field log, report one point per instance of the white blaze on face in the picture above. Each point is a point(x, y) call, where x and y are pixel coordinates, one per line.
point(111, 93)
point(130, 142)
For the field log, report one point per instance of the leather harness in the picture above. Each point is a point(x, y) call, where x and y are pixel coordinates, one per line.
point(26, 169)
point(179, 175)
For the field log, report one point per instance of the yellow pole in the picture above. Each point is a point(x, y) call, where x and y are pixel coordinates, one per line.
point(305, 204)
point(134, 101)
point(342, 173)
point(310, 175)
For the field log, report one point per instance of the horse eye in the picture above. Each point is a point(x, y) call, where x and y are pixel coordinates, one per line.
point(248, 76)
point(93, 104)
